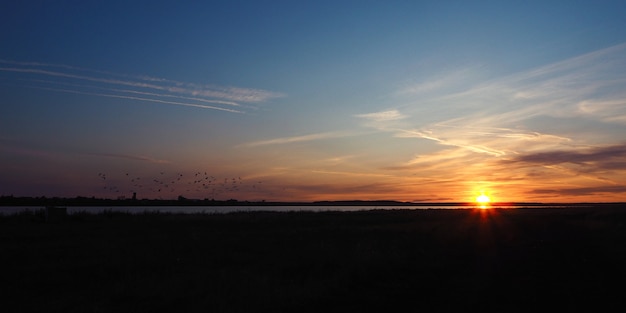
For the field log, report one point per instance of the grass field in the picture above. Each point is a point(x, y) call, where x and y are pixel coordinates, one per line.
point(369, 261)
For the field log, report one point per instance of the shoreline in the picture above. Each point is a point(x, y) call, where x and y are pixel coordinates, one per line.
point(181, 201)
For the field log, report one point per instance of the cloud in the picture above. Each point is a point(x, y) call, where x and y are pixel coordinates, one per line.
point(157, 88)
point(524, 113)
point(353, 174)
point(609, 110)
point(486, 140)
point(451, 81)
point(177, 97)
point(294, 139)
point(582, 191)
point(596, 156)
point(36, 152)
point(450, 142)
point(558, 89)
point(349, 191)
point(390, 115)
point(202, 106)
point(233, 93)
point(129, 157)
point(604, 164)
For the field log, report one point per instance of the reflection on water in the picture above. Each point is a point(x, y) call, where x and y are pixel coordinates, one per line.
point(228, 209)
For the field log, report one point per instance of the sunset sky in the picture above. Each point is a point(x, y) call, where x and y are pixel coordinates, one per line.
point(314, 100)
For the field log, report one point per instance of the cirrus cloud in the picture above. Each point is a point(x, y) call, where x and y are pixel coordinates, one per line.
point(382, 116)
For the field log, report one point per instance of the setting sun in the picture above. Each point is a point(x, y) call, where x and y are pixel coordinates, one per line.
point(483, 199)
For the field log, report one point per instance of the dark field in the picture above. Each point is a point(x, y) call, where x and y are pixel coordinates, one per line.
point(374, 261)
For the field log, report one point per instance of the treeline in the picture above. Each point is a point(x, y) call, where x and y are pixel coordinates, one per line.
point(182, 201)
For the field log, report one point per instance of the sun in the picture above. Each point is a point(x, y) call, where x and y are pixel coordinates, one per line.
point(483, 199)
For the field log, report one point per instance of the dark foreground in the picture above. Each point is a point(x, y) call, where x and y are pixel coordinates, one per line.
point(372, 261)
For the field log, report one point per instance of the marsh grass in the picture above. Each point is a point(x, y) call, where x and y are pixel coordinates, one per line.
point(373, 261)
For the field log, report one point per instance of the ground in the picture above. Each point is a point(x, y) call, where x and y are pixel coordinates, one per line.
point(514, 260)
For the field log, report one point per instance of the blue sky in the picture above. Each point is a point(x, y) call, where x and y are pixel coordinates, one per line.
point(287, 100)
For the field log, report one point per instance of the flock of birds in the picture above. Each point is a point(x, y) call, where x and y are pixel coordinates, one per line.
point(198, 184)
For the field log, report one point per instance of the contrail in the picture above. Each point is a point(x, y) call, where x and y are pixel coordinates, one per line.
point(140, 85)
point(140, 99)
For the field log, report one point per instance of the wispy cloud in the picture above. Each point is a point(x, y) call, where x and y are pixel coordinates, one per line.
point(486, 140)
point(525, 113)
point(202, 106)
point(609, 110)
point(295, 139)
point(390, 115)
point(582, 191)
point(156, 88)
point(449, 82)
point(458, 142)
point(596, 157)
point(130, 91)
point(578, 87)
point(48, 154)
point(129, 157)
point(353, 174)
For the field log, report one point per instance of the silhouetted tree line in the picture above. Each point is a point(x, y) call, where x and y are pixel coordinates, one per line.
point(182, 201)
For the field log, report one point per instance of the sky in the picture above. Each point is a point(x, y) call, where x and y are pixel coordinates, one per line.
point(429, 101)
